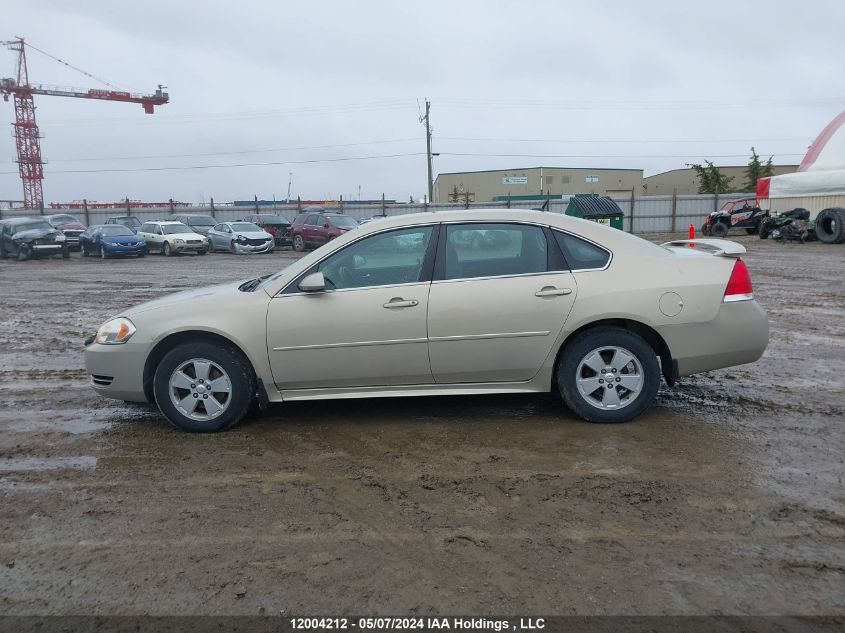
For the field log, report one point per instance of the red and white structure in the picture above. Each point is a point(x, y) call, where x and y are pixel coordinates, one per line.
point(27, 136)
point(819, 182)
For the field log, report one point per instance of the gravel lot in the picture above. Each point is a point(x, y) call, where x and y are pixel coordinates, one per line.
point(727, 497)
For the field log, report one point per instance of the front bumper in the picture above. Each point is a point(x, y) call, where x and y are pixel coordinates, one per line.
point(117, 371)
point(189, 248)
point(46, 248)
point(248, 248)
point(122, 249)
point(739, 334)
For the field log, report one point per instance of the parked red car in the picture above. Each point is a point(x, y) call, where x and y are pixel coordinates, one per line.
point(69, 226)
point(312, 229)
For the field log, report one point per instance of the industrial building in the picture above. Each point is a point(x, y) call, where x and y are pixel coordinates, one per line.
point(535, 183)
point(685, 181)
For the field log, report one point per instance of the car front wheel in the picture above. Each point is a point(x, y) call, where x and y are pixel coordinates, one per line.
point(166, 250)
point(203, 387)
point(608, 375)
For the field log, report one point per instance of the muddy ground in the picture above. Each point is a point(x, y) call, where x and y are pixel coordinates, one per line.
point(727, 497)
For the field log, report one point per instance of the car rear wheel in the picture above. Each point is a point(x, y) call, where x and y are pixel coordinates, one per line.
point(203, 387)
point(608, 375)
point(719, 229)
point(298, 243)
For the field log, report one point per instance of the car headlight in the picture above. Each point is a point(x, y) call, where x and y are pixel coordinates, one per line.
point(60, 238)
point(178, 241)
point(115, 332)
point(242, 239)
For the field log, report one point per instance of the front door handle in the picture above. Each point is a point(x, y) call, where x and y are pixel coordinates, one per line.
point(399, 302)
point(551, 291)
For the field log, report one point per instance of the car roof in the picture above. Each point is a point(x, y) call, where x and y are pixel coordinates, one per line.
point(164, 222)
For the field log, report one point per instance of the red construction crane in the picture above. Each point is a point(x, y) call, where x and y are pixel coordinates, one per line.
point(30, 164)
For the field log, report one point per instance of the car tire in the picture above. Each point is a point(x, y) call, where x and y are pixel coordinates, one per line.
point(609, 346)
point(224, 361)
point(83, 251)
point(141, 254)
point(719, 229)
point(232, 247)
point(65, 252)
point(298, 243)
point(103, 254)
point(3, 254)
point(203, 251)
point(764, 231)
point(752, 231)
point(166, 250)
point(23, 253)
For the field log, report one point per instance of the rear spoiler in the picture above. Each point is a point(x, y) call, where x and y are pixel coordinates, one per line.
point(720, 248)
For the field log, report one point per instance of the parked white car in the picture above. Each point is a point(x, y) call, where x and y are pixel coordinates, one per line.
point(172, 238)
point(408, 307)
point(240, 237)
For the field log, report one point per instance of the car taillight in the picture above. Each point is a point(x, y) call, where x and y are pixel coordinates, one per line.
point(739, 285)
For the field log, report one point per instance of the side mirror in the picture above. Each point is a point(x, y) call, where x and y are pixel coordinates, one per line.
point(315, 282)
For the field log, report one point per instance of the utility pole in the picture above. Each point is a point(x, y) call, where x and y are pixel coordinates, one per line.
point(290, 179)
point(427, 119)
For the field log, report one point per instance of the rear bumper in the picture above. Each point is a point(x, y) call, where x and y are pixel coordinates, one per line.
point(739, 334)
point(117, 371)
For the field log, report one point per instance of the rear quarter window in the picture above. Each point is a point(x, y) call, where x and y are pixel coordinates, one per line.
point(581, 254)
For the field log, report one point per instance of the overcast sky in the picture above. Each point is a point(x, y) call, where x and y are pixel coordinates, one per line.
point(638, 84)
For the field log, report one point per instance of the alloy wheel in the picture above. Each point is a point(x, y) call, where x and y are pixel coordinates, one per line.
point(609, 377)
point(200, 389)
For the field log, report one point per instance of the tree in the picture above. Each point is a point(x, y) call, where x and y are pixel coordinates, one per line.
point(756, 170)
point(711, 180)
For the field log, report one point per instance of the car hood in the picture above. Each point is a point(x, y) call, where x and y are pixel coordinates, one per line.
point(182, 236)
point(254, 235)
point(207, 294)
point(71, 226)
point(35, 234)
point(121, 239)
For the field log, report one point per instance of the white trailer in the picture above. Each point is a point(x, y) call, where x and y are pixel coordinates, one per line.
point(818, 185)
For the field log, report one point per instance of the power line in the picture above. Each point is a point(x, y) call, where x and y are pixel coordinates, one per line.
point(662, 104)
point(233, 152)
point(195, 167)
point(572, 140)
point(607, 155)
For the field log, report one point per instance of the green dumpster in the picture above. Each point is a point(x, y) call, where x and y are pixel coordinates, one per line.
point(596, 208)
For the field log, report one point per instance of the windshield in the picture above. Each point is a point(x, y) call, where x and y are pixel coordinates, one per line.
point(274, 220)
point(172, 229)
point(128, 221)
point(31, 226)
point(201, 220)
point(343, 221)
point(246, 227)
point(115, 230)
point(64, 219)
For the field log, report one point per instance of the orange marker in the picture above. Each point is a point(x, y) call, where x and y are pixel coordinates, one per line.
point(691, 235)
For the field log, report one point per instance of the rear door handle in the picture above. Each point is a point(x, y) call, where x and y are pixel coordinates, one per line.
point(399, 302)
point(551, 291)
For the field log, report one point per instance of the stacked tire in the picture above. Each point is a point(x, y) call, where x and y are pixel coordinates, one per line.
point(830, 226)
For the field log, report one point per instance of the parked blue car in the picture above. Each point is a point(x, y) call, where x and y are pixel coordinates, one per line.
point(111, 240)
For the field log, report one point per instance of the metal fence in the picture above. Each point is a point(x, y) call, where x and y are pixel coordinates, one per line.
point(650, 214)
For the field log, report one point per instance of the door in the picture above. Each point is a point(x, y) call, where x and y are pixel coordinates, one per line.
point(368, 328)
point(497, 303)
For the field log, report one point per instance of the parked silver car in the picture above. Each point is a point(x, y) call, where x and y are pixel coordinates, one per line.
point(407, 306)
point(240, 237)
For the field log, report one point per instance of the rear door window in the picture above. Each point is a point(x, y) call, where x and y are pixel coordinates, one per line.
point(494, 250)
